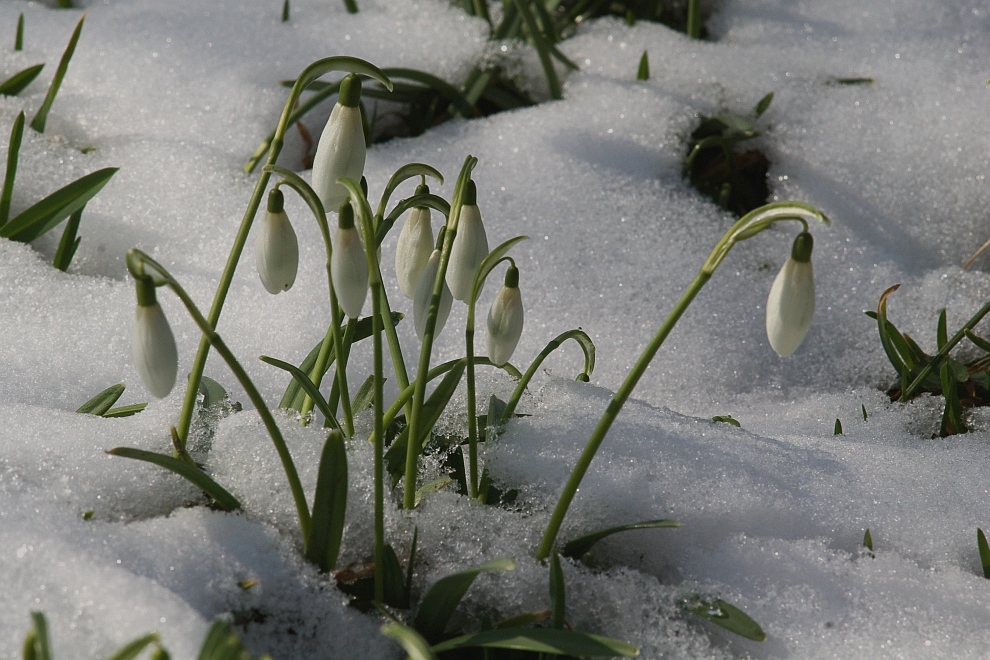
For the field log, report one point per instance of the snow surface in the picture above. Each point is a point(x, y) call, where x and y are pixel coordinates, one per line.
point(177, 95)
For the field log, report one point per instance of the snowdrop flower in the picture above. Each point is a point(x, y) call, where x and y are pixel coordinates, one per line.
point(792, 299)
point(155, 355)
point(342, 150)
point(348, 265)
point(470, 247)
point(424, 294)
point(505, 320)
point(276, 251)
point(414, 247)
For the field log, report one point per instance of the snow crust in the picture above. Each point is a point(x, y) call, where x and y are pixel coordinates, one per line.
point(179, 94)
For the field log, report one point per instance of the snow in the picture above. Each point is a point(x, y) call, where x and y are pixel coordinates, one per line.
point(179, 94)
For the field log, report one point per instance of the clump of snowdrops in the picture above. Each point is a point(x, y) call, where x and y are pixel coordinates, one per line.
point(434, 271)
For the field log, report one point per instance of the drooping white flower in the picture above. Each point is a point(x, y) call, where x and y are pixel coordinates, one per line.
point(414, 247)
point(276, 250)
point(505, 320)
point(791, 303)
point(342, 150)
point(155, 355)
point(424, 294)
point(348, 265)
point(469, 249)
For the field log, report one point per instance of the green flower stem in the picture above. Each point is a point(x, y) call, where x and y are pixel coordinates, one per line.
point(333, 337)
point(136, 261)
point(412, 452)
point(937, 359)
point(589, 366)
point(309, 74)
point(340, 394)
point(694, 19)
point(360, 202)
point(748, 226)
point(472, 413)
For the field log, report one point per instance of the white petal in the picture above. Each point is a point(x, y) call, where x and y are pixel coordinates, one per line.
point(349, 269)
point(276, 252)
point(469, 250)
point(790, 306)
point(505, 325)
point(155, 355)
point(413, 250)
point(341, 153)
point(424, 294)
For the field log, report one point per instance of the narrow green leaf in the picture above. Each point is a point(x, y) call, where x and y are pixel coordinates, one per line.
point(978, 341)
point(64, 4)
point(763, 104)
point(727, 616)
point(222, 643)
point(294, 394)
point(981, 543)
point(302, 379)
point(409, 567)
point(542, 640)
point(126, 411)
point(490, 262)
point(864, 411)
point(578, 547)
point(103, 401)
point(838, 427)
point(285, 11)
point(941, 331)
point(850, 81)
point(133, 649)
point(41, 117)
point(644, 67)
point(542, 48)
point(450, 93)
point(395, 588)
point(329, 504)
point(69, 242)
point(53, 209)
point(223, 500)
point(524, 620)
point(868, 540)
point(445, 594)
point(351, 6)
point(19, 81)
point(885, 337)
point(558, 593)
point(40, 647)
point(213, 393)
point(19, 37)
point(13, 150)
point(365, 395)
point(411, 641)
point(727, 419)
point(432, 487)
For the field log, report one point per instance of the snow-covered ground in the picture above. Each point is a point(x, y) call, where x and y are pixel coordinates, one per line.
point(178, 94)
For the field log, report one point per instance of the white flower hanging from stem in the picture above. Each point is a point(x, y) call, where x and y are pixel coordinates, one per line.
point(155, 354)
point(424, 295)
point(342, 150)
point(276, 251)
point(791, 303)
point(348, 265)
point(414, 247)
point(505, 319)
point(470, 247)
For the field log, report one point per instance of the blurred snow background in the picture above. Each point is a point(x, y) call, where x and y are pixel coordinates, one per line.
point(178, 94)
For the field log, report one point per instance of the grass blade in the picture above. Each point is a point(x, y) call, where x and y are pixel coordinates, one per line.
point(103, 401)
point(644, 67)
point(125, 411)
point(19, 81)
point(19, 37)
point(41, 117)
point(49, 212)
point(223, 500)
point(69, 243)
point(411, 641)
point(580, 546)
point(542, 49)
point(329, 504)
point(558, 593)
point(302, 379)
point(543, 640)
point(133, 649)
point(285, 11)
point(981, 543)
point(727, 616)
point(38, 643)
point(16, 135)
point(446, 593)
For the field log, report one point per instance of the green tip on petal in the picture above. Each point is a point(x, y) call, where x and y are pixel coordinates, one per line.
point(345, 217)
point(803, 244)
point(471, 194)
point(350, 91)
point(276, 201)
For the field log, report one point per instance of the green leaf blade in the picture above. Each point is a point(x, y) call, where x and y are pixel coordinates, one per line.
point(224, 500)
point(580, 546)
point(102, 402)
point(445, 594)
point(41, 117)
point(53, 209)
point(19, 81)
point(329, 504)
point(543, 640)
point(728, 616)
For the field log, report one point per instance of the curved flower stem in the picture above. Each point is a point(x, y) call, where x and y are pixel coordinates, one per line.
point(748, 226)
point(419, 394)
point(137, 260)
point(309, 74)
point(577, 335)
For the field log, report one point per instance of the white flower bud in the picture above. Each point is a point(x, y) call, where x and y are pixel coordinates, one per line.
point(505, 320)
point(470, 247)
point(348, 265)
point(342, 150)
point(155, 355)
point(791, 303)
point(276, 250)
point(413, 250)
point(424, 294)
